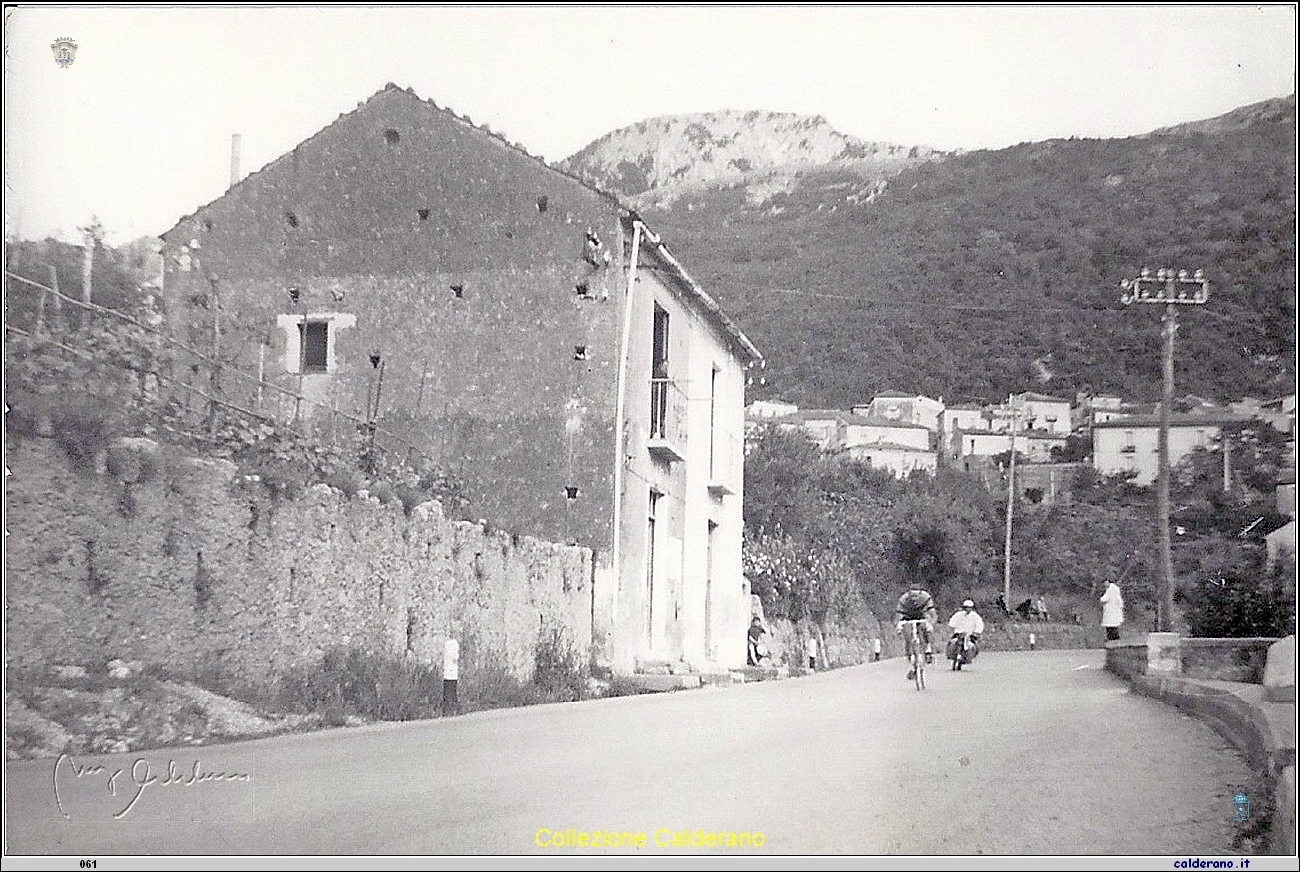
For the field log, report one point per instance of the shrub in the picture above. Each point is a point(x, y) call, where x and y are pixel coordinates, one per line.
point(353, 682)
point(1235, 605)
point(81, 428)
point(558, 670)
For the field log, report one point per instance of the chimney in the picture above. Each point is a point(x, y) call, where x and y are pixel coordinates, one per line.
point(234, 159)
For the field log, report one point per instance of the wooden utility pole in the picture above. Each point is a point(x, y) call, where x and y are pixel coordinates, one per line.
point(1227, 462)
point(1165, 607)
point(1011, 503)
point(1168, 288)
point(87, 270)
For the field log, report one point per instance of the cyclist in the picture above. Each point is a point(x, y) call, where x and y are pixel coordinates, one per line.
point(966, 622)
point(916, 604)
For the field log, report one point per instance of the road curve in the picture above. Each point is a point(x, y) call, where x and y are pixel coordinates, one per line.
point(1023, 753)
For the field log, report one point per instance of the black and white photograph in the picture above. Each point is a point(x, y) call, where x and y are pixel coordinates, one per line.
point(614, 435)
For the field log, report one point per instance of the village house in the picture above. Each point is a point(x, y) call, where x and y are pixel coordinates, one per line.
point(1035, 446)
point(1131, 443)
point(526, 330)
point(1042, 412)
point(825, 428)
point(1279, 412)
point(769, 409)
point(957, 419)
point(889, 443)
point(1085, 405)
point(904, 408)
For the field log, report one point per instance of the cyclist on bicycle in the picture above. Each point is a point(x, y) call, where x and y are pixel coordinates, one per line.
point(916, 604)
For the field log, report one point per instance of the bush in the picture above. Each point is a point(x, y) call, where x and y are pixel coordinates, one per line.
point(82, 429)
point(558, 671)
point(1237, 606)
point(353, 682)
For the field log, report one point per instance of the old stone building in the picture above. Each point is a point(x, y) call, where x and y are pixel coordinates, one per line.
point(524, 328)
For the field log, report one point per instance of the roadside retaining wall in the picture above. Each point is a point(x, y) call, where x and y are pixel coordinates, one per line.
point(201, 571)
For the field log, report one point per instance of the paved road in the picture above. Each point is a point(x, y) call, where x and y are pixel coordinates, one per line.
point(1024, 753)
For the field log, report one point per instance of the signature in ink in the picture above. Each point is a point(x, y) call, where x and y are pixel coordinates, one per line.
point(139, 777)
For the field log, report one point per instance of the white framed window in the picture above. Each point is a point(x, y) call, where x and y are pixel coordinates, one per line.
point(310, 341)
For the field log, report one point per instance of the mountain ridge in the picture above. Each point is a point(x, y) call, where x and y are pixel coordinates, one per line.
point(659, 160)
point(982, 273)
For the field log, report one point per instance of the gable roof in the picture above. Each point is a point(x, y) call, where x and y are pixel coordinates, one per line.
point(1180, 419)
point(881, 421)
point(434, 109)
point(476, 183)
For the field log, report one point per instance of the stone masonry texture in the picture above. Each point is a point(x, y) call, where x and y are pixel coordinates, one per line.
point(207, 573)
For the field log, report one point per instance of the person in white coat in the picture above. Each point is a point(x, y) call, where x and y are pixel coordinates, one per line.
point(966, 626)
point(1112, 611)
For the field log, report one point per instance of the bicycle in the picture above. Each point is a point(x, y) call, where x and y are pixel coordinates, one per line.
point(916, 652)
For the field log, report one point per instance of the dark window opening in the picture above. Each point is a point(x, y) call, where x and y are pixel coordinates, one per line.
point(659, 376)
point(542, 204)
point(423, 213)
point(392, 136)
point(571, 492)
point(458, 290)
point(314, 337)
point(583, 289)
point(579, 352)
point(291, 218)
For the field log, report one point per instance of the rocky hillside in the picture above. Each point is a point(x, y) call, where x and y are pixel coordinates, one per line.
point(660, 159)
point(972, 275)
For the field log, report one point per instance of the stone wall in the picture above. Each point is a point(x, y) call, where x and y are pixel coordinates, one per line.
point(1225, 659)
point(199, 570)
point(841, 644)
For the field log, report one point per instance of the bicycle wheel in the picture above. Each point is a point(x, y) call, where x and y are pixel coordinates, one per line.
point(918, 667)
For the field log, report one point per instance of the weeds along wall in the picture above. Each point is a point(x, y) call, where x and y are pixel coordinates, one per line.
point(198, 570)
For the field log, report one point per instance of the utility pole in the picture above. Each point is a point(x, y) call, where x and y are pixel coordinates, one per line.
point(1011, 503)
point(1169, 288)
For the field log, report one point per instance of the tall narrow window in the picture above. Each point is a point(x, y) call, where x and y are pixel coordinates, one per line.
point(713, 419)
point(659, 375)
point(650, 568)
point(314, 337)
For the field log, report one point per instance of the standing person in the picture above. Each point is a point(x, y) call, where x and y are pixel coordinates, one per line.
point(1112, 611)
point(916, 604)
point(967, 626)
point(757, 650)
point(810, 648)
point(450, 677)
point(876, 650)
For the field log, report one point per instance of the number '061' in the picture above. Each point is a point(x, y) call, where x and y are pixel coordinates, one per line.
point(88, 864)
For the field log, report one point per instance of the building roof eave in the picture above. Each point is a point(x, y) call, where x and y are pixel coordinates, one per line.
point(689, 284)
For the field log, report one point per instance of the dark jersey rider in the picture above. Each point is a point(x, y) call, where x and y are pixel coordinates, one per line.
point(916, 604)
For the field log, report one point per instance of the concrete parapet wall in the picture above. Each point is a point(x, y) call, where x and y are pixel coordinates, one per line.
point(1243, 712)
point(1226, 659)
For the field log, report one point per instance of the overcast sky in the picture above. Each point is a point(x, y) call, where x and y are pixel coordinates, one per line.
point(137, 130)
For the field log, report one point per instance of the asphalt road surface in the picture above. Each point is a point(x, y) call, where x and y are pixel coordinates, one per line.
point(1021, 753)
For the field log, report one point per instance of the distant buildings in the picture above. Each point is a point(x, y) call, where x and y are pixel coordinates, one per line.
point(906, 433)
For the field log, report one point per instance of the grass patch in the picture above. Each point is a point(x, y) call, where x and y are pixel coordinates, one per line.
point(350, 682)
